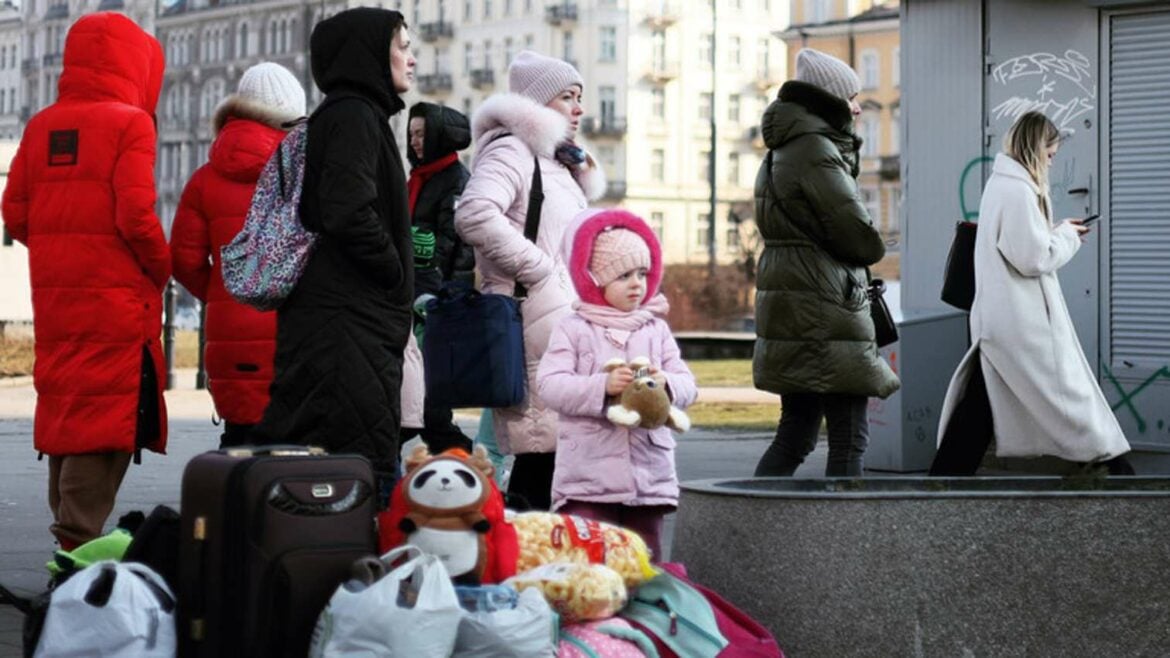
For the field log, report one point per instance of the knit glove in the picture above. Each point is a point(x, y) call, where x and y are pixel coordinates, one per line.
point(424, 247)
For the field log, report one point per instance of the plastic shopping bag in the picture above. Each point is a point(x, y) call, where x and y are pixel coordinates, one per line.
point(525, 631)
point(409, 610)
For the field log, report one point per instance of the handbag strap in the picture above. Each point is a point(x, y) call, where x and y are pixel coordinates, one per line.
point(532, 214)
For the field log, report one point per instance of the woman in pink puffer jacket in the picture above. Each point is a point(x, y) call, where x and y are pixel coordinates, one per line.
point(535, 122)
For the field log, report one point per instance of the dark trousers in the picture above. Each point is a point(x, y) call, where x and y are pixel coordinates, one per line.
point(847, 421)
point(646, 520)
point(235, 434)
point(969, 431)
point(439, 431)
point(531, 480)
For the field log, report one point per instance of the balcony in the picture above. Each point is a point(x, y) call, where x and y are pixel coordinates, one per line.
point(662, 72)
point(604, 126)
point(756, 136)
point(615, 190)
point(890, 167)
point(483, 78)
point(662, 14)
point(52, 59)
point(434, 31)
point(111, 5)
point(60, 10)
point(435, 83)
point(560, 14)
point(29, 64)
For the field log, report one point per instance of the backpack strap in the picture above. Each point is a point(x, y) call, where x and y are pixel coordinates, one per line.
point(634, 635)
point(532, 214)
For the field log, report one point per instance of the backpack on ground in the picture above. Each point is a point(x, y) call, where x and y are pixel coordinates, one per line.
point(746, 637)
point(263, 263)
point(112, 609)
point(156, 544)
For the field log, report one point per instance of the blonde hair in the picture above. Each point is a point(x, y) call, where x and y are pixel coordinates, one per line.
point(1027, 142)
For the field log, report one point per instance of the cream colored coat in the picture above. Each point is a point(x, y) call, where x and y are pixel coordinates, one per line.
point(490, 217)
point(1044, 396)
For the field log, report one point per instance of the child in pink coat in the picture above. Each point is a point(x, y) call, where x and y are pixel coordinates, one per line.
point(604, 471)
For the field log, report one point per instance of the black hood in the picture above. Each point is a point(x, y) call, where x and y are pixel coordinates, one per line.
point(352, 51)
point(447, 131)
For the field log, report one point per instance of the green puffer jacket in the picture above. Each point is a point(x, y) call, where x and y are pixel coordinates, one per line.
point(814, 332)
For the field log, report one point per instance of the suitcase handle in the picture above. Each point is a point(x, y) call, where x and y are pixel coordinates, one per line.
point(274, 450)
point(282, 499)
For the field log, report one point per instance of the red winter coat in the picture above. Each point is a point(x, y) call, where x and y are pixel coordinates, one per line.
point(81, 195)
point(240, 340)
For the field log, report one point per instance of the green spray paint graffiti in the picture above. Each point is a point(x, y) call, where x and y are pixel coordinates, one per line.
point(970, 215)
point(1127, 397)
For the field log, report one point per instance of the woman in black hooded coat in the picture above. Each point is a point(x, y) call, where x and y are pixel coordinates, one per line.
point(342, 331)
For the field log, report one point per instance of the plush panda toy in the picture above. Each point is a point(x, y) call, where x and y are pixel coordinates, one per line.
point(448, 506)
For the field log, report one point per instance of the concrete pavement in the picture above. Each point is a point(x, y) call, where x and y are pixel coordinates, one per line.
point(25, 543)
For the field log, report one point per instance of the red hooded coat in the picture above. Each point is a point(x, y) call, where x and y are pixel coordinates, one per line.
point(81, 196)
point(240, 340)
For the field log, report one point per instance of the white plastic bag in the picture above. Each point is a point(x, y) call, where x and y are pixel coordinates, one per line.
point(379, 619)
point(526, 631)
point(110, 609)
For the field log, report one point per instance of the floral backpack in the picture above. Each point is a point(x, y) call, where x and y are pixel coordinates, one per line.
point(262, 264)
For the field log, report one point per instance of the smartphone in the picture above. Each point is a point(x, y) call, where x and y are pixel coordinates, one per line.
point(1090, 219)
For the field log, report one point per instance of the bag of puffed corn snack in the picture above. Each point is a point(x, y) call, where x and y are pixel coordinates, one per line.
point(546, 538)
point(577, 592)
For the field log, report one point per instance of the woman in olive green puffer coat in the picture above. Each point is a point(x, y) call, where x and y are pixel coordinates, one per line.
point(815, 339)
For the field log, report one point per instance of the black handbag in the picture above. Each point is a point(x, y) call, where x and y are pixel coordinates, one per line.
point(885, 329)
point(958, 288)
point(473, 352)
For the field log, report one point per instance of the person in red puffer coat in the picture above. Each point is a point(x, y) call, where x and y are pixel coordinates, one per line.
point(81, 195)
point(249, 126)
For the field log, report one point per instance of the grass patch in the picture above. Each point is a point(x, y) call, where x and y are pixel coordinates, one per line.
point(734, 415)
point(186, 349)
point(16, 357)
point(722, 372)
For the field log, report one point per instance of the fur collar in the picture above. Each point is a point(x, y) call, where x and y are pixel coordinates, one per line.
point(539, 127)
point(1006, 165)
point(832, 109)
point(239, 108)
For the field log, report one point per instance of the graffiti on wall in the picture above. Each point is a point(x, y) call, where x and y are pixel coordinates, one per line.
point(1127, 398)
point(1060, 86)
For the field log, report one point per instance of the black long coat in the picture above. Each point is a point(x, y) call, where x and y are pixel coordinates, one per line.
point(447, 131)
point(340, 335)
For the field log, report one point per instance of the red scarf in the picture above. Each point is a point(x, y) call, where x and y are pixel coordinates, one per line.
point(422, 173)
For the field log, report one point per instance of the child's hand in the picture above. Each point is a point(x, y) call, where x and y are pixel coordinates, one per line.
point(617, 380)
point(659, 379)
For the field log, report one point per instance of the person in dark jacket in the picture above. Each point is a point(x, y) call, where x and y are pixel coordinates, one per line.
point(437, 177)
point(341, 333)
point(249, 125)
point(815, 338)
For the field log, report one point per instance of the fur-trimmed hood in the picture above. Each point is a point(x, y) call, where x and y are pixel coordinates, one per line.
point(539, 128)
point(236, 107)
point(243, 146)
point(578, 250)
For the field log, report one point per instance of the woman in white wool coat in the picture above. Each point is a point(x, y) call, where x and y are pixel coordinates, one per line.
point(1025, 379)
point(539, 117)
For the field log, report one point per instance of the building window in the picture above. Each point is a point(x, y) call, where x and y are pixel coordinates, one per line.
point(528, 41)
point(658, 49)
point(706, 44)
point(733, 241)
point(870, 72)
point(243, 40)
point(706, 102)
point(895, 129)
point(487, 55)
point(608, 44)
point(607, 101)
point(467, 106)
point(871, 199)
point(657, 223)
point(487, 9)
point(658, 165)
point(509, 51)
point(817, 11)
point(658, 103)
point(733, 51)
point(733, 168)
point(468, 11)
point(606, 155)
point(869, 129)
point(894, 210)
point(733, 108)
point(704, 170)
point(468, 58)
point(763, 59)
point(507, 7)
point(896, 67)
point(567, 47)
point(702, 238)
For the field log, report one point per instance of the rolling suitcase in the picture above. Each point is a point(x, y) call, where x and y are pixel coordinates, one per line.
point(268, 533)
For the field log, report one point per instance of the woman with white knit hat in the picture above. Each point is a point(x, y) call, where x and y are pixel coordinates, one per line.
point(815, 338)
point(535, 124)
point(249, 126)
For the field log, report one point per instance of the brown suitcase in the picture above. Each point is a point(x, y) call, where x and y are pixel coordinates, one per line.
point(268, 533)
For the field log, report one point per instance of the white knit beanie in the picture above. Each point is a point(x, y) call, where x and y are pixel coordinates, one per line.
point(541, 78)
point(273, 87)
point(827, 72)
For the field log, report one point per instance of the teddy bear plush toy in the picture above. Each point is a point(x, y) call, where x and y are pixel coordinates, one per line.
point(448, 505)
point(644, 403)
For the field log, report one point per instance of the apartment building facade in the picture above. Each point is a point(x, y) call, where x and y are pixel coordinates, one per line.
point(650, 95)
point(11, 60)
point(864, 33)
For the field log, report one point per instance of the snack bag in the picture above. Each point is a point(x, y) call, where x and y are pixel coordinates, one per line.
point(546, 538)
point(577, 592)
